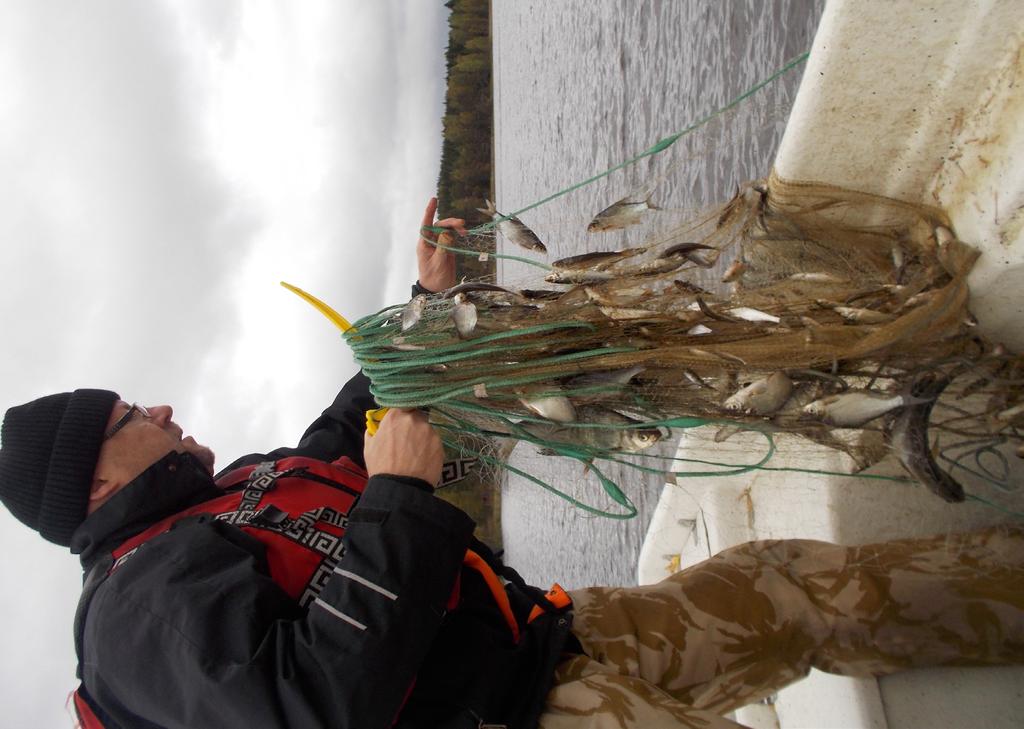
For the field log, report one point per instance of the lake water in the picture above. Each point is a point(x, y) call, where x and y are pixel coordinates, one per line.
point(579, 86)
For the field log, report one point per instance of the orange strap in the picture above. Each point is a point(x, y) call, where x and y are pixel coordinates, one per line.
point(556, 596)
point(476, 562)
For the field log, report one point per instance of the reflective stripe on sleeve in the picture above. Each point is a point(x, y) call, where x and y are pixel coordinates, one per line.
point(338, 614)
point(366, 583)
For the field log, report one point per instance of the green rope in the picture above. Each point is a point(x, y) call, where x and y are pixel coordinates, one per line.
point(658, 147)
point(609, 486)
point(584, 454)
point(631, 509)
point(478, 254)
point(587, 455)
point(522, 380)
point(993, 505)
point(455, 351)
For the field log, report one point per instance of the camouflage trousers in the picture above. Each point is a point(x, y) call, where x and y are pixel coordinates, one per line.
point(738, 627)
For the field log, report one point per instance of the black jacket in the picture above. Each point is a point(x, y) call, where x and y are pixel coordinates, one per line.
point(192, 632)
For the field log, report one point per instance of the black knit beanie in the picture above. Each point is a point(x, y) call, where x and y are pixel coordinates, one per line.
point(48, 452)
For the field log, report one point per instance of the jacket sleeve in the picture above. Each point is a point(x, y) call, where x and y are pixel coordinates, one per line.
point(191, 631)
point(417, 289)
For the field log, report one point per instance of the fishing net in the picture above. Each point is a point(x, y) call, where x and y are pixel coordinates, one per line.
point(795, 310)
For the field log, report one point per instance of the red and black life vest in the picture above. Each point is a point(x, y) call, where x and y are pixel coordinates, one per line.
point(301, 526)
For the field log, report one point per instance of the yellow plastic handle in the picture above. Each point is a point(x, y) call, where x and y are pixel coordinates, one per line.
point(337, 319)
point(373, 418)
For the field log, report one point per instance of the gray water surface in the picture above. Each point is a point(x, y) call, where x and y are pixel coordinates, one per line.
point(579, 86)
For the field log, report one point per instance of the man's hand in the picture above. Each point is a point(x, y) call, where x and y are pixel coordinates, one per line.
point(405, 445)
point(436, 266)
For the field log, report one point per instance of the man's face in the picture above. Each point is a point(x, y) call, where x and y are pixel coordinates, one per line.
point(140, 440)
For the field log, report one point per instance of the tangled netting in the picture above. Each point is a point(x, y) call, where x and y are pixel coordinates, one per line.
point(831, 315)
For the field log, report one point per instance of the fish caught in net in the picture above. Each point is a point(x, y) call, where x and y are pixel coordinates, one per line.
point(830, 315)
point(800, 312)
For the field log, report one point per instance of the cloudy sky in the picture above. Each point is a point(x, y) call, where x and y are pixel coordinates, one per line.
point(162, 166)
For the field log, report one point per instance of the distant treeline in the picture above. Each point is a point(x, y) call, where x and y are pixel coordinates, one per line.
point(465, 179)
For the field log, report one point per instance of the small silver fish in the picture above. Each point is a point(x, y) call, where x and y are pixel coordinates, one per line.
point(763, 396)
point(574, 297)
point(399, 343)
point(909, 438)
point(919, 298)
point(540, 294)
point(657, 266)
point(595, 258)
point(688, 287)
point(727, 431)
point(854, 408)
point(617, 438)
point(577, 276)
point(816, 277)
point(514, 229)
point(689, 252)
point(709, 312)
point(862, 316)
point(413, 311)
point(630, 440)
point(748, 314)
point(621, 313)
point(616, 295)
point(622, 214)
point(800, 373)
point(464, 314)
point(469, 286)
point(695, 379)
point(609, 377)
point(558, 408)
point(683, 249)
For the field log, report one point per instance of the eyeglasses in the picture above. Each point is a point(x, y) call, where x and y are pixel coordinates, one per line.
point(125, 419)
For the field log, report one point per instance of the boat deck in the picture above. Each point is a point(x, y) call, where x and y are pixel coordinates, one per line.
point(923, 103)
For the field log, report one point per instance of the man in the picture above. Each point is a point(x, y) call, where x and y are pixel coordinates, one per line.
point(325, 585)
point(234, 601)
